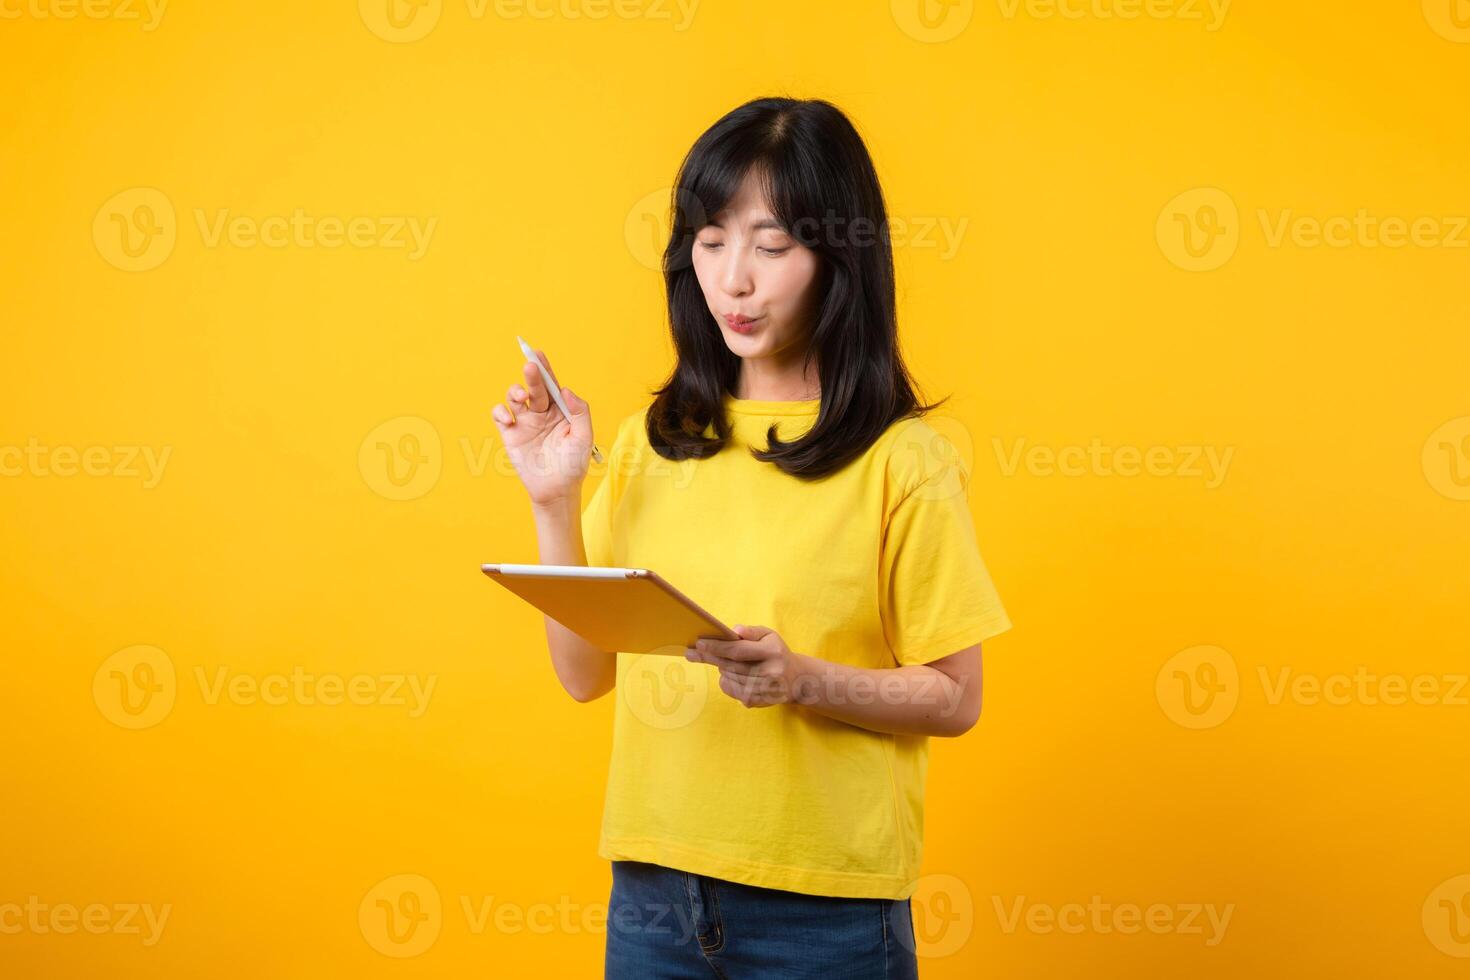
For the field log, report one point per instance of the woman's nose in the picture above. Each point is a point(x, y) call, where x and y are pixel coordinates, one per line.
point(735, 277)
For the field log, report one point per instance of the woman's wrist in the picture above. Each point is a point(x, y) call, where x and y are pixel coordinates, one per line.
point(806, 678)
point(557, 507)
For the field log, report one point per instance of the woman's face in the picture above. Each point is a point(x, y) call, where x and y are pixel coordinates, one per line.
point(749, 267)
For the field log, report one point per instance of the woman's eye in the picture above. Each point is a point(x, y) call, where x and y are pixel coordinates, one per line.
point(773, 252)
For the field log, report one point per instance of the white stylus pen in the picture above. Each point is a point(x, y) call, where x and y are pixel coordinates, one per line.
point(552, 388)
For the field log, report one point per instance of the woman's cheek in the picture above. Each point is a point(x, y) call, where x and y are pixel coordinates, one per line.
point(794, 283)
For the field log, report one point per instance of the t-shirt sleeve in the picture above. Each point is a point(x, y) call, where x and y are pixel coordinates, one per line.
point(935, 593)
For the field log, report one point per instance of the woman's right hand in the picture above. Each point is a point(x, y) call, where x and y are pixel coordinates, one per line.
point(550, 452)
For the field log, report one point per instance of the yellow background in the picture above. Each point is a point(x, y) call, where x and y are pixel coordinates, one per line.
point(272, 541)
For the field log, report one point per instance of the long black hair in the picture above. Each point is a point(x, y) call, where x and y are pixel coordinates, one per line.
point(821, 185)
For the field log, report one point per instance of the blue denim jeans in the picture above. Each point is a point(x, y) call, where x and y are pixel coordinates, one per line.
point(664, 924)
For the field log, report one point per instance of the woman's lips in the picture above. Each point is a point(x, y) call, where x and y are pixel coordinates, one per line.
point(741, 324)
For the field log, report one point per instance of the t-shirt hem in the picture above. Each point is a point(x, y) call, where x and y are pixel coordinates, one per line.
point(808, 881)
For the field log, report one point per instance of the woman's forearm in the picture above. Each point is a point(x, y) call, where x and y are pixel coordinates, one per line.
point(586, 671)
point(911, 700)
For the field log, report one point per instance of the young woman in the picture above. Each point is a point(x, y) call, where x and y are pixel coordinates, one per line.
point(764, 809)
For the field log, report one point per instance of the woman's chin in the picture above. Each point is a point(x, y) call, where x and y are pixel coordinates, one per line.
point(742, 343)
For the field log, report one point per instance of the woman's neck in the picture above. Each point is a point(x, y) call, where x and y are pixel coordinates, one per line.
point(762, 381)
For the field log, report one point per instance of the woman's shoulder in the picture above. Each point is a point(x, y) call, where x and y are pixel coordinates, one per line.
point(635, 423)
point(630, 432)
point(916, 450)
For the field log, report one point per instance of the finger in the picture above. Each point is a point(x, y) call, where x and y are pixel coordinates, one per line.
point(502, 415)
point(575, 403)
point(770, 690)
point(538, 399)
point(516, 394)
point(540, 395)
point(744, 692)
point(541, 355)
point(745, 683)
point(732, 649)
point(733, 666)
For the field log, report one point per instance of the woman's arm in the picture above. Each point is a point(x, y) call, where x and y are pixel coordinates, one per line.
point(586, 671)
point(550, 452)
point(938, 698)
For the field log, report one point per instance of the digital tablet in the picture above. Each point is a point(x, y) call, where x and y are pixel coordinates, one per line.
point(630, 610)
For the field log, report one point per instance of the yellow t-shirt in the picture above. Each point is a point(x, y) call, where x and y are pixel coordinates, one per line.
point(876, 566)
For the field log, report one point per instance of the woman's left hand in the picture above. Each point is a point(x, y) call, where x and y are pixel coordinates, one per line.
point(758, 670)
